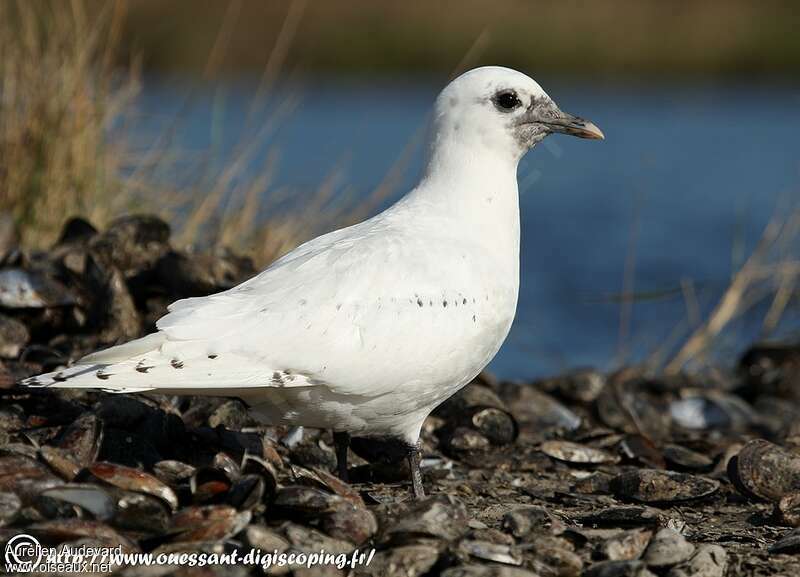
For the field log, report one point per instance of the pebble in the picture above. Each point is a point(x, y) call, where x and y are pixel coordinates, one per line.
point(655, 486)
point(618, 569)
point(626, 545)
point(577, 454)
point(709, 560)
point(765, 470)
point(667, 548)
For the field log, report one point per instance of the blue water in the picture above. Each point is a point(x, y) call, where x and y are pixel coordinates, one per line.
point(682, 186)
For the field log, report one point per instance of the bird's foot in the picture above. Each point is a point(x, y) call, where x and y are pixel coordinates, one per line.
point(414, 458)
point(342, 442)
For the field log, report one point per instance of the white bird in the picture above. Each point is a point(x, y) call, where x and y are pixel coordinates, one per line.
point(365, 330)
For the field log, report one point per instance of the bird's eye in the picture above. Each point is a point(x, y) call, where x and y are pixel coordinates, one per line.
point(507, 100)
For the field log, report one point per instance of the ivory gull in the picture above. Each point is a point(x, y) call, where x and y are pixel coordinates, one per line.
point(365, 330)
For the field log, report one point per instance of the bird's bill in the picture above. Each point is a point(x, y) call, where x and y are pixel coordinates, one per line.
point(575, 126)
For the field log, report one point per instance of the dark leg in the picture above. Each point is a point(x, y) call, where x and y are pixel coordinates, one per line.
point(414, 457)
point(342, 442)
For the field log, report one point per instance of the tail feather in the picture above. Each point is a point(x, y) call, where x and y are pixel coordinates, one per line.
point(155, 364)
point(80, 376)
point(125, 351)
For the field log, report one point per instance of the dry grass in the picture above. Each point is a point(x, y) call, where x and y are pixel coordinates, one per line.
point(59, 97)
point(65, 151)
point(771, 274)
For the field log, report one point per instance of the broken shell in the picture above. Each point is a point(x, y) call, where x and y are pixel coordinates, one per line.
point(208, 523)
point(298, 500)
point(209, 484)
point(582, 385)
point(656, 486)
point(10, 505)
point(224, 462)
point(626, 545)
point(20, 288)
point(787, 510)
point(442, 518)
point(537, 411)
point(487, 571)
point(139, 512)
point(456, 442)
point(60, 530)
point(523, 521)
point(180, 547)
point(322, 479)
point(132, 243)
point(92, 498)
point(264, 538)
point(622, 516)
point(708, 561)
point(60, 461)
point(596, 483)
point(246, 492)
point(25, 477)
point(18, 450)
point(231, 414)
point(82, 439)
point(173, 472)
point(12, 418)
point(618, 569)
point(487, 551)
point(765, 470)
point(712, 411)
point(14, 335)
point(667, 548)
point(575, 453)
point(642, 450)
point(406, 561)
point(496, 425)
point(123, 509)
point(555, 556)
point(771, 369)
point(478, 407)
point(310, 540)
point(356, 524)
point(627, 408)
point(134, 480)
point(788, 544)
point(262, 468)
point(681, 458)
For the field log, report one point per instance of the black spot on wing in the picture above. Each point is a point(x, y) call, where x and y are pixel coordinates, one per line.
point(102, 376)
point(176, 363)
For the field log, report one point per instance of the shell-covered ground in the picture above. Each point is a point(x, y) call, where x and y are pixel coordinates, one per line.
point(627, 474)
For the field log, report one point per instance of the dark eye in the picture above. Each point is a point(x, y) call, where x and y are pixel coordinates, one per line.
point(506, 100)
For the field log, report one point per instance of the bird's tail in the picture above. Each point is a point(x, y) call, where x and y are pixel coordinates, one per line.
point(155, 364)
point(92, 371)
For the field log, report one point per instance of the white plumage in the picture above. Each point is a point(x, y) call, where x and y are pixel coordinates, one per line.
point(366, 329)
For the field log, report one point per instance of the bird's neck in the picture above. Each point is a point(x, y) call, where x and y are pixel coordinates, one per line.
point(476, 189)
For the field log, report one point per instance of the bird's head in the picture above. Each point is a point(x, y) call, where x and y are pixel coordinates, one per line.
point(502, 110)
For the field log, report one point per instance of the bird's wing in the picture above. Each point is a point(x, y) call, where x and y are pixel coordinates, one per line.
point(327, 315)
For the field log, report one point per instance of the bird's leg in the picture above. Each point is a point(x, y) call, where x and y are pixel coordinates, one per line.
point(342, 442)
point(414, 458)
